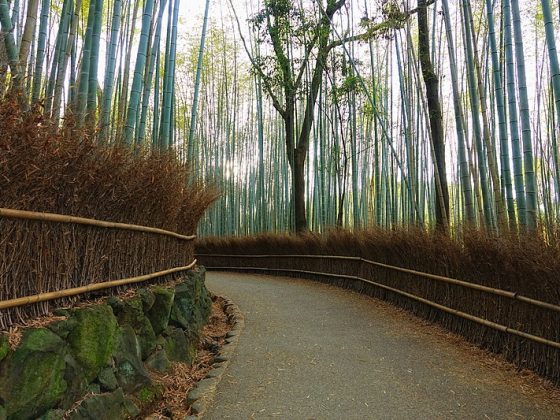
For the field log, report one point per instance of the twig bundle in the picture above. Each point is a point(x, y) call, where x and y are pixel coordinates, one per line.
point(47, 169)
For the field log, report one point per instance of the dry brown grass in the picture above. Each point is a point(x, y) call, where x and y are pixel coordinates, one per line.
point(47, 169)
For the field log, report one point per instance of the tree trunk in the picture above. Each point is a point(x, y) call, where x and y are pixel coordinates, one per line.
point(436, 126)
point(298, 173)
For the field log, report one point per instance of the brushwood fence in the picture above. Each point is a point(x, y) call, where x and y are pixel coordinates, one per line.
point(525, 330)
point(48, 257)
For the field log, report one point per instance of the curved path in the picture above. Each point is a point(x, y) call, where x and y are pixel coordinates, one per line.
point(312, 351)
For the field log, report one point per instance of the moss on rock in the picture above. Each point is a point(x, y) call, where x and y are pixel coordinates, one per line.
point(130, 371)
point(92, 340)
point(131, 312)
point(33, 375)
point(109, 406)
point(160, 311)
point(177, 347)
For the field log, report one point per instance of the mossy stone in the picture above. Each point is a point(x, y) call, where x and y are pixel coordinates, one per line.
point(158, 361)
point(130, 372)
point(192, 305)
point(63, 328)
point(75, 377)
point(183, 312)
point(107, 379)
point(177, 346)
point(33, 375)
point(131, 313)
point(93, 338)
point(109, 406)
point(4, 346)
point(52, 415)
point(160, 311)
point(147, 297)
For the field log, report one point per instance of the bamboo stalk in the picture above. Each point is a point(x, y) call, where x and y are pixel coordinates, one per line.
point(481, 321)
point(474, 286)
point(60, 218)
point(42, 297)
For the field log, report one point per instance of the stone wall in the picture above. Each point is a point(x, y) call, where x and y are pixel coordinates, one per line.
point(94, 363)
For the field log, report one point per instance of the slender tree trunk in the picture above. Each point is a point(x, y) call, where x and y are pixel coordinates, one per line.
point(436, 117)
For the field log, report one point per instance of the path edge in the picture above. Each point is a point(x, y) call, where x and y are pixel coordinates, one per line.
point(201, 396)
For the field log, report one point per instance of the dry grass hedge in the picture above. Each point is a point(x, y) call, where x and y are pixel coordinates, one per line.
point(528, 266)
point(47, 169)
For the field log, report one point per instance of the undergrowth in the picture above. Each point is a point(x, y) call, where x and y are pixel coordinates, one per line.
point(64, 170)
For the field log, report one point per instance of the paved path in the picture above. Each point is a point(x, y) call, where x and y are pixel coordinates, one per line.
point(311, 351)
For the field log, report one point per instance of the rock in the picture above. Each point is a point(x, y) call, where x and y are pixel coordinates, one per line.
point(130, 372)
point(75, 377)
point(63, 328)
point(191, 305)
point(107, 379)
point(178, 347)
point(4, 346)
point(161, 309)
point(131, 408)
point(52, 415)
point(93, 339)
point(148, 298)
point(94, 388)
point(33, 375)
point(109, 406)
point(131, 313)
point(216, 372)
point(158, 361)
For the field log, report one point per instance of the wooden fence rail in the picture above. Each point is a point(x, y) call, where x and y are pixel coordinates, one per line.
point(43, 297)
point(61, 218)
point(74, 291)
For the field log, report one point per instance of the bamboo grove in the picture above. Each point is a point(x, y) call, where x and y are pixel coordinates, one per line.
point(315, 114)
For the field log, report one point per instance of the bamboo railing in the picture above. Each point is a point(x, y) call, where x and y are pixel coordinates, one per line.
point(59, 218)
point(461, 283)
point(43, 297)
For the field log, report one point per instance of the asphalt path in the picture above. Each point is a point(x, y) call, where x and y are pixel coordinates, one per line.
point(312, 351)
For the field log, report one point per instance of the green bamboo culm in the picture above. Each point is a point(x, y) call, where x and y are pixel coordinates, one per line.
point(502, 123)
point(94, 63)
point(153, 59)
point(528, 161)
point(165, 139)
point(555, 76)
point(194, 108)
point(109, 80)
point(9, 41)
point(459, 122)
point(41, 47)
point(83, 81)
point(134, 100)
point(477, 130)
point(517, 157)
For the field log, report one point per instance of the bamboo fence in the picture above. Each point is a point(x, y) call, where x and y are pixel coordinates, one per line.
point(526, 330)
point(32, 300)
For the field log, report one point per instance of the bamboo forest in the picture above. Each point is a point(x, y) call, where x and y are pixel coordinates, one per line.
point(279, 152)
point(310, 116)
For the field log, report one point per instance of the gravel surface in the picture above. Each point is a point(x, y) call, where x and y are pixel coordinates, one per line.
point(312, 351)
